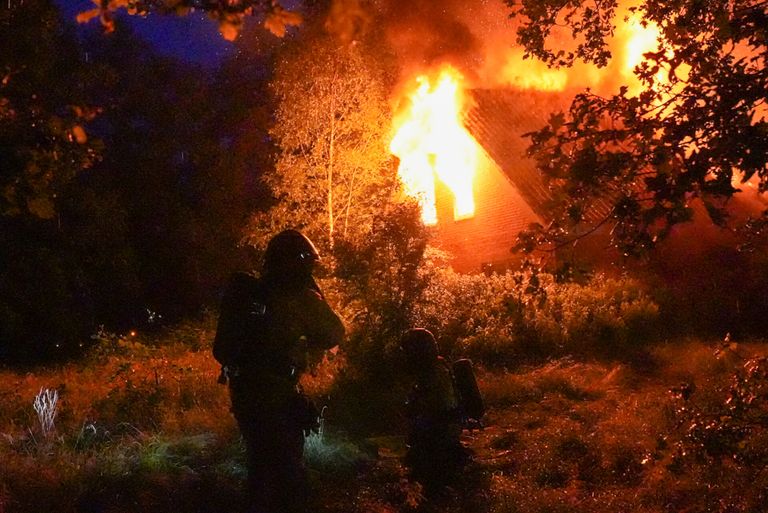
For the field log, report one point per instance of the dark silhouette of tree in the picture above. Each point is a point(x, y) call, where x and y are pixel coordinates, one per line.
point(46, 143)
point(346, 19)
point(43, 112)
point(184, 149)
point(696, 133)
point(120, 218)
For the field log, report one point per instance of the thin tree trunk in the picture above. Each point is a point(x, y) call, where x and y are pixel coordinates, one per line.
point(349, 203)
point(331, 144)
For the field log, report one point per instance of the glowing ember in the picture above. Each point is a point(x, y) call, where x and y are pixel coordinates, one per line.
point(431, 141)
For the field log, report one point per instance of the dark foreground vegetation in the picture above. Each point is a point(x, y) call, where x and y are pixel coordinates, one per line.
point(587, 412)
point(146, 428)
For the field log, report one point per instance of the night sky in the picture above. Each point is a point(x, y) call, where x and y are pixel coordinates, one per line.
point(193, 38)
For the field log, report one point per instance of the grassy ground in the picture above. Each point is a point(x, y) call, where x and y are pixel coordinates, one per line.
point(146, 428)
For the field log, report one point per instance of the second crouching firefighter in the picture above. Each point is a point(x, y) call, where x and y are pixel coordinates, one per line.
point(435, 413)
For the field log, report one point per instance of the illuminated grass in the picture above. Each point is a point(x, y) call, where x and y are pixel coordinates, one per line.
point(568, 435)
point(327, 453)
point(45, 405)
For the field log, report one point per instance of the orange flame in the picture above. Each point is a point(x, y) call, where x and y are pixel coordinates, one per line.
point(507, 66)
point(531, 74)
point(638, 40)
point(431, 141)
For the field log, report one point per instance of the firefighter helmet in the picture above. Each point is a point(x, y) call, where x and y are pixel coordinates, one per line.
point(419, 346)
point(290, 250)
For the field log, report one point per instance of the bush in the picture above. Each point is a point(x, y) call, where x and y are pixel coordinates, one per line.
point(606, 314)
point(508, 318)
point(394, 281)
point(720, 438)
point(379, 284)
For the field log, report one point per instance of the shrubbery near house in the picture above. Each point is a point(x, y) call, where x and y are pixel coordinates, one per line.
point(505, 319)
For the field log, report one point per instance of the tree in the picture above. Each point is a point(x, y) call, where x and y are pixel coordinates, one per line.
point(149, 228)
point(382, 280)
point(44, 147)
point(43, 142)
point(175, 182)
point(699, 125)
point(333, 170)
point(347, 19)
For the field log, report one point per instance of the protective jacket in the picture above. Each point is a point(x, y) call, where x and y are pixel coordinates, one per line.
point(435, 453)
point(433, 407)
point(267, 326)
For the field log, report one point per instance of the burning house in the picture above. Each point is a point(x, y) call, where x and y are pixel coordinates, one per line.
point(461, 148)
point(510, 193)
point(462, 154)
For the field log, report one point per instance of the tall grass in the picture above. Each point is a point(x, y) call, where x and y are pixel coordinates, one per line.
point(142, 425)
point(45, 405)
point(133, 410)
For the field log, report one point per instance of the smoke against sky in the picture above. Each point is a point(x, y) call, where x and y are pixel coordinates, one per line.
point(479, 38)
point(428, 33)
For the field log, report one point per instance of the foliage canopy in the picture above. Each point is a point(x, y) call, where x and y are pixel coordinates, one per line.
point(43, 142)
point(229, 14)
point(127, 218)
point(333, 170)
point(696, 131)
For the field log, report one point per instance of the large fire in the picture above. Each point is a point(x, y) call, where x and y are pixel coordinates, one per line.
point(639, 40)
point(431, 142)
point(524, 73)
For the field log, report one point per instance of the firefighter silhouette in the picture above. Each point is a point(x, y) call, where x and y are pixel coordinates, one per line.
point(267, 327)
point(435, 415)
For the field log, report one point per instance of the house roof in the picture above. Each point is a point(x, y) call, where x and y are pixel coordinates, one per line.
point(498, 118)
